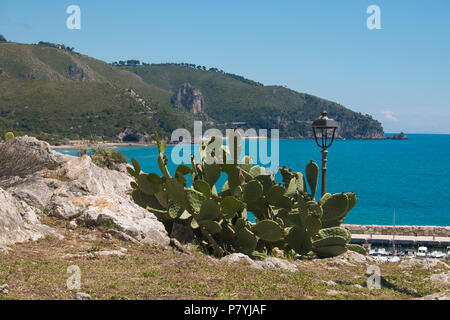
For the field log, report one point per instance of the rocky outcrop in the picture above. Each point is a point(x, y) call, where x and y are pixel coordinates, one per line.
point(269, 263)
point(398, 136)
point(24, 156)
point(77, 73)
point(189, 98)
point(79, 70)
point(74, 188)
point(18, 221)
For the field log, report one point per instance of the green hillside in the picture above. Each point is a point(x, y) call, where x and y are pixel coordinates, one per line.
point(51, 92)
point(230, 99)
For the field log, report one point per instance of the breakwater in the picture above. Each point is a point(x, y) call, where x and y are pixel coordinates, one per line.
point(418, 231)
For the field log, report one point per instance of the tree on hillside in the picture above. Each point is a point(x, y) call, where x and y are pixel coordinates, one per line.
point(2, 38)
point(133, 63)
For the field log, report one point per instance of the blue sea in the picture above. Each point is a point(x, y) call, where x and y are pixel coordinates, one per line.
point(411, 177)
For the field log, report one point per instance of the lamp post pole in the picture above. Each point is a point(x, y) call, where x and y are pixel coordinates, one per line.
point(324, 171)
point(324, 130)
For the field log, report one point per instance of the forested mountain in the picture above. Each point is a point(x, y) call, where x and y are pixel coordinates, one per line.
point(52, 92)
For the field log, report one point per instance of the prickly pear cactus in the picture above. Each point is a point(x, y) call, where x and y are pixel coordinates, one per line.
point(312, 176)
point(287, 216)
point(331, 242)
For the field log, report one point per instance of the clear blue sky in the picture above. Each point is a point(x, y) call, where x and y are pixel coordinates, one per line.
point(399, 74)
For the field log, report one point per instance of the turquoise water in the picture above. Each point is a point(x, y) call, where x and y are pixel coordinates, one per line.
point(410, 177)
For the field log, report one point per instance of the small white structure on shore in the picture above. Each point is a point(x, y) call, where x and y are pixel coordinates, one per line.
point(422, 252)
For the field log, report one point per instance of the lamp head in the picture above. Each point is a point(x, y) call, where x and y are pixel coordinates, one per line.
point(324, 130)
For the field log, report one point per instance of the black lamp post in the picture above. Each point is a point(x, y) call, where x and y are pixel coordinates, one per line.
point(324, 132)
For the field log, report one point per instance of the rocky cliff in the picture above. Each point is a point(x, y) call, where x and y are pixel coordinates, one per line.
point(36, 182)
point(189, 98)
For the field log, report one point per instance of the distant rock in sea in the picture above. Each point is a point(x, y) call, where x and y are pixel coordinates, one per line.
point(398, 136)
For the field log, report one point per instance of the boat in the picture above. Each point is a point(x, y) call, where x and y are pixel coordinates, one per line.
point(381, 254)
point(410, 253)
point(393, 259)
point(394, 254)
point(422, 252)
point(437, 254)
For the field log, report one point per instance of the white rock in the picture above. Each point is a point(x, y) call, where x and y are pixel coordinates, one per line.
point(79, 255)
point(18, 222)
point(72, 225)
point(70, 187)
point(117, 253)
point(356, 257)
point(96, 254)
point(332, 292)
point(268, 264)
point(277, 263)
point(82, 296)
point(425, 263)
point(437, 296)
point(240, 258)
point(4, 289)
point(328, 283)
point(441, 279)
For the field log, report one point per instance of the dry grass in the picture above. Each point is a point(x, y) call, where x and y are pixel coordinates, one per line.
point(35, 270)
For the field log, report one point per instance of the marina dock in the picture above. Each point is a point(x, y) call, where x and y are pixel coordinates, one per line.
point(383, 239)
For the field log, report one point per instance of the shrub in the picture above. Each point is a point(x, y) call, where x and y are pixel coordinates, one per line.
point(82, 150)
point(107, 158)
point(357, 248)
point(9, 136)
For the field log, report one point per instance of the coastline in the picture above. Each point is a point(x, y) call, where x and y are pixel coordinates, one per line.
point(77, 144)
point(119, 144)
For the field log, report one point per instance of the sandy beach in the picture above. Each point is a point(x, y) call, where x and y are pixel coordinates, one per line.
point(106, 144)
